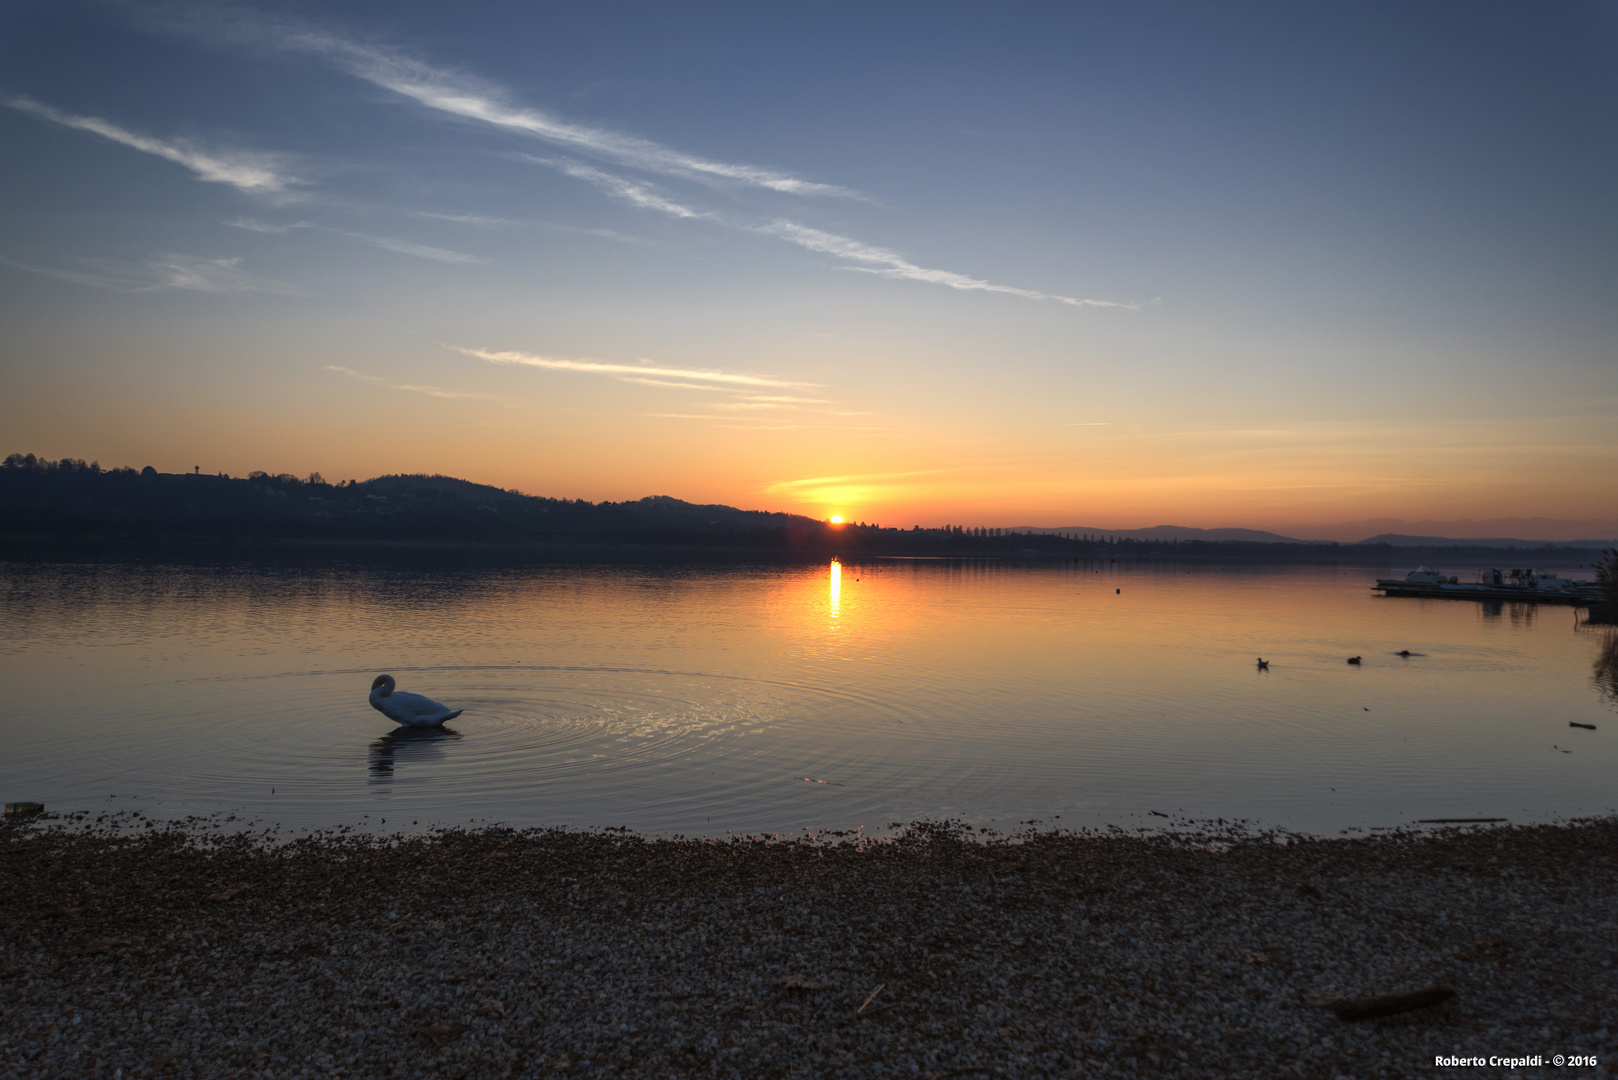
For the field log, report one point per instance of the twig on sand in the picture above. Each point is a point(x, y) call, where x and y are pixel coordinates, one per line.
point(1386, 1004)
point(870, 998)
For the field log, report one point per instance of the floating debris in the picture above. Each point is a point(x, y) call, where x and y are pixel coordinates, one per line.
point(817, 781)
point(1575, 723)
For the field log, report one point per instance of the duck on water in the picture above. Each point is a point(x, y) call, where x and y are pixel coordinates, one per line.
point(411, 710)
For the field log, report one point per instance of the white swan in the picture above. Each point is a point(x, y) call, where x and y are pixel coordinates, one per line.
point(411, 710)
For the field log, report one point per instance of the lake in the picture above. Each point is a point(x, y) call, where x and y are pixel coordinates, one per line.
point(773, 698)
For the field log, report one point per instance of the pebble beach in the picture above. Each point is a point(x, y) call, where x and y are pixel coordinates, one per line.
point(188, 951)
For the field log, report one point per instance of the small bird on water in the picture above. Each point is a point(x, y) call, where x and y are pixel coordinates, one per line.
point(1354, 660)
point(1263, 664)
point(411, 710)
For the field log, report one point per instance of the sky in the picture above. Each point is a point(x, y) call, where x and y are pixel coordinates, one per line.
point(1319, 269)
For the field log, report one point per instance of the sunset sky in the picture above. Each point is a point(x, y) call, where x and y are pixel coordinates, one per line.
point(1296, 267)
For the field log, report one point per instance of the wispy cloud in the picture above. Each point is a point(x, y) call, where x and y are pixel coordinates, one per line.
point(430, 391)
point(388, 243)
point(664, 382)
point(352, 374)
point(480, 100)
point(782, 401)
point(212, 275)
point(751, 407)
point(187, 272)
point(821, 482)
point(471, 98)
point(255, 173)
point(885, 263)
point(252, 225)
point(873, 260)
point(437, 391)
point(741, 424)
point(631, 372)
point(620, 188)
point(482, 221)
point(406, 247)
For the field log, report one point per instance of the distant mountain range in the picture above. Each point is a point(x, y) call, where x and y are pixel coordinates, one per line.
point(55, 500)
point(1402, 540)
point(1258, 536)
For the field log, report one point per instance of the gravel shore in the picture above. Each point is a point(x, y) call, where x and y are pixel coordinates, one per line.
point(185, 952)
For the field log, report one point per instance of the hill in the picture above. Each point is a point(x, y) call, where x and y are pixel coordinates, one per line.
point(70, 500)
point(1402, 540)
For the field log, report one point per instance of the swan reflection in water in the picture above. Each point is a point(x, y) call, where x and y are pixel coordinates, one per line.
point(406, 745)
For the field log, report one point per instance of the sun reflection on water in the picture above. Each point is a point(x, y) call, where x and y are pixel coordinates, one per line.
point(836, 599)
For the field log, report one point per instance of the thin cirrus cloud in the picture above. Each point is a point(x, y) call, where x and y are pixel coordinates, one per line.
point(387, 243)
point(632, 372)
point(190, 273)
point(854, 486)
point(430, 391)
point(478, 100)
point(885, 263)
point(474, 99)
point(484, 221)
point(247, 171)
point(620, 188)
point(406, 247)
point(869, 258)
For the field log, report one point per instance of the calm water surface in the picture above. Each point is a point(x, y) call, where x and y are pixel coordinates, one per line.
point(777, 698)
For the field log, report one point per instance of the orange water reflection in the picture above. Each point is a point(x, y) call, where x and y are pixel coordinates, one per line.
point(694, 699)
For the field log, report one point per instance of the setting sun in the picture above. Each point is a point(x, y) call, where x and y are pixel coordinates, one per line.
point(837, 519)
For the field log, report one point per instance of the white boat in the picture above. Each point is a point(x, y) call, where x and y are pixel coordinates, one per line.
point(1493, 584)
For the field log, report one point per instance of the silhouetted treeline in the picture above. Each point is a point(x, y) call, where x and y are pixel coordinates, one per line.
point(71, 499)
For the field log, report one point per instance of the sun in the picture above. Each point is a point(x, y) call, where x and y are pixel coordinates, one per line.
point(837, 519)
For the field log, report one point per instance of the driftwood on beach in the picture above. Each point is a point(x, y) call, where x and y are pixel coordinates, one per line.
point(1368, 1008)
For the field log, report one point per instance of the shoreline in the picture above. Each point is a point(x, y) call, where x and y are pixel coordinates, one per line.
point(547, 952)
point(234, 546)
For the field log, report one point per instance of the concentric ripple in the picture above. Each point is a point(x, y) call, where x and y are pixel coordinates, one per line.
point(698, 700)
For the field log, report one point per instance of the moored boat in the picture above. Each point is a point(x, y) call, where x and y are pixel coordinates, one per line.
point(1493, 584)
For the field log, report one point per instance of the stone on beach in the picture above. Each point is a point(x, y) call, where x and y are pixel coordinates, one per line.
point(941, 951)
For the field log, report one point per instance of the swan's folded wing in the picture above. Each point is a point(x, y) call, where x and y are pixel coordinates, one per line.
point(414, 705)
